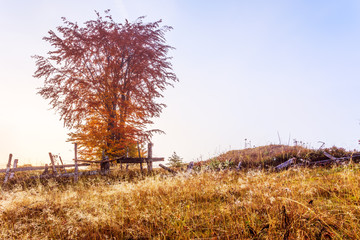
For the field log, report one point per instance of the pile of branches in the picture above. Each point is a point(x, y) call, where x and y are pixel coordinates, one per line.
point(294, 162)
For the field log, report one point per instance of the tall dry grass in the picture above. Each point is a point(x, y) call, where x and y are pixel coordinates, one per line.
point(294, 204)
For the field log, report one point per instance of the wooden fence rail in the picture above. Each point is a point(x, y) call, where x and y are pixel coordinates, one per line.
point(125, 160)
point(23, 169)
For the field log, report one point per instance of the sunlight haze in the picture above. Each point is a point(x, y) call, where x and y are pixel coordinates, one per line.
point(266, 71)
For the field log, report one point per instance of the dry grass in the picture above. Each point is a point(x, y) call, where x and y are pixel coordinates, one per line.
point(294, 204)
point(270, 155)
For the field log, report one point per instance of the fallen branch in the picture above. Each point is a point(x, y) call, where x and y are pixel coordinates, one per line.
point(238, 166)
point(286, 164)
point(353, 157)
point(329, 156)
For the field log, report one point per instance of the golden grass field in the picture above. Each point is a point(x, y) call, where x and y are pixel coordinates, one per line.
point(299, 203)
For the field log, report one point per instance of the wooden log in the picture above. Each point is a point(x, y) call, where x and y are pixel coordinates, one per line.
point(76, 175)
point(53, 163)
point(167, 169)
point(331, 160)
point(23, 169)
point(353, 157)
point(14, 167)
point(285, 164)
point(8, 168)
point(322, 163)
point(329, 156)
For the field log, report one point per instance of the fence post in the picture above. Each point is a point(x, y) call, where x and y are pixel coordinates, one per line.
point(46, 171)
point(8, 168)
point(14, 166)
point(53, 163)
point(141, 166)
point(104, 164)
point(149, 162)
point(76, 175)
point(127, 164)
point(62, 164)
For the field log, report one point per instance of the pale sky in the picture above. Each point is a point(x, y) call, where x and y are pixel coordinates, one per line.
point(247, 69)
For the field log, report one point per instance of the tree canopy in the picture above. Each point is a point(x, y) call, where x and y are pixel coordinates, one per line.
point(104, 79)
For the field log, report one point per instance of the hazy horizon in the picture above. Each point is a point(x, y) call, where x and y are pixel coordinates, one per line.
point(255, 70)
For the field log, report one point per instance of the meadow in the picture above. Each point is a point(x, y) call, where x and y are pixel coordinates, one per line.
point(298, 203)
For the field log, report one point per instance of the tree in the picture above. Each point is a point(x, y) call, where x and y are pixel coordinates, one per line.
point(175, 160)
point(104, 80)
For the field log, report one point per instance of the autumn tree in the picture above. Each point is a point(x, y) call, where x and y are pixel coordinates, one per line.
point(104, 79)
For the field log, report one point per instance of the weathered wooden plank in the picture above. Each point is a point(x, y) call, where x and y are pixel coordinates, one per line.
point(14, 167)
point(167, 169)
point(125, 160)
point(87, 161)
point(329, 156)
point(62, 164)
point(53, 163)
point(23, 169)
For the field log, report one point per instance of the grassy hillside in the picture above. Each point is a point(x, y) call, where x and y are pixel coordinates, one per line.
point(269, 156)
point(295, 204)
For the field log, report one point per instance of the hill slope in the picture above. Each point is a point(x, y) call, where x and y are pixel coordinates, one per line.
point(272, 155)
point(296, 204)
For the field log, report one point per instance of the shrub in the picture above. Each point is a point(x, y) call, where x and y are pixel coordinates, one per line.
point(175, 161)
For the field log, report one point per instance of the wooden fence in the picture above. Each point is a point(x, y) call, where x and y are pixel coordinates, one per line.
point(56, 168)
point(59, 168)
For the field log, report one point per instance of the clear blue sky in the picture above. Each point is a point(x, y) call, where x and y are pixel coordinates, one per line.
point(247, 69)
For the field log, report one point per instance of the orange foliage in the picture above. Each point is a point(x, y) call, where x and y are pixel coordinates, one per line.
point(104, 78)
